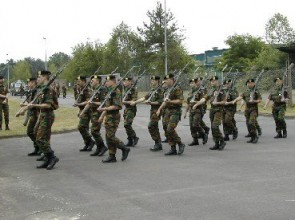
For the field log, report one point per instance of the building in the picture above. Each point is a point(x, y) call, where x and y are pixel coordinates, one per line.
point(208, 58)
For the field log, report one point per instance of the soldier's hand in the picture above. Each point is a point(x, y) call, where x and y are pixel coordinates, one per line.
point(167, 100)
point(100, 120)
point(147, 102)
point(158, 113)
point(132, 103)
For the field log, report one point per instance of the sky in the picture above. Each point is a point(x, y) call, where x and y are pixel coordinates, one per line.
point(65, 23)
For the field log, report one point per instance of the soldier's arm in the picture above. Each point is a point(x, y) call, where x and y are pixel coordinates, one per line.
point(238, 99)
point(259, 98)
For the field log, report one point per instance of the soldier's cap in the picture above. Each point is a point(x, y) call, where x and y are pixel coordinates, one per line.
point(31, 79)
point(213, 78)
point(127, 79)
point(95, 77)
point(44, 72)
point(111, 77)
point(81, 78)
point(1, 77)
point(155, 77)
point(279, 78)
point(199, 79)
point(250, 80)
point(227, 81)
point(169, 76)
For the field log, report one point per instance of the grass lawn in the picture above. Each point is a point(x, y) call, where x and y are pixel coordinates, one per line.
point(65, 120)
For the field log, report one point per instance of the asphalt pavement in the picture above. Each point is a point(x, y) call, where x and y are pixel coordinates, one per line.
point(245, 181)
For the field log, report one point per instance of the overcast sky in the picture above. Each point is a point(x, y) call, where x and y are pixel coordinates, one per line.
point(65, 23)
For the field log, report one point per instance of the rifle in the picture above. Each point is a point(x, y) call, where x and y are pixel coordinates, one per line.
point(284, 79)
point(233, 82)
point(154, 92)
point(41, 91)
point(26, 118)
point(199, 89)
point(255, 86)
point(176, 78)
point(133, 85)
point(108, 96)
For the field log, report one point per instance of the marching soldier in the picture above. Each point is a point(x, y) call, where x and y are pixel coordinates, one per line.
point(173, 105)
point(111, 113)
point(217, 100)
point(64, 90)
point(4, 107)
point(84, 119)
point(46, 103)
point(229, 122)
point(130, 112)
point(195, 104)
point(163, 112)
point(57, 86)
point(154, 98)
point(251, 111)
point(279, 97)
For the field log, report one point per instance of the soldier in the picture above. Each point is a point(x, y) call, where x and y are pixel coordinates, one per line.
point(57, 89)
point(64, 90)
point(229, 122)
point(96, 125)
point(195, 106)
point(251, 111)
point(33, 115)
point(85, 118)
point(4, 107)
point(217, 100)
point(280, 98)
point(111, 113)
point(163, 112)
point(173, 103)
point(76, 90)
point(46, 103)
point(154, 98)
point(130, 112)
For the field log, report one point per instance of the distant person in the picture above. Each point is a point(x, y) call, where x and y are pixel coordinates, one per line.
point(57, 86)
point(4, 107)
point(64, 90)
point(21, 91)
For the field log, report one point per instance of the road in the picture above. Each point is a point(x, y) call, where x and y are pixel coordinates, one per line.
point(245, 181)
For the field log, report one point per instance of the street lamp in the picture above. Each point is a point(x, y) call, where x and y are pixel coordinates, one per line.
point(7, 71)
point(44, 38)
point(165, 29)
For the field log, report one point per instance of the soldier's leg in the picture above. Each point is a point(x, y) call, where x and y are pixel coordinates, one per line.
point(6, 115)
point(197, 124)
point(128, 120)
point(1, 113)
point(165, 124)
point(83, 128)
point(95, 131)
point(153, 128)
point(281, 122)
point(235, 128)
point(32, 135)
point(247, 116)
point(193, 129)
point(216, 132)
point(203, 124)
point(228, 125)
point(252, 126)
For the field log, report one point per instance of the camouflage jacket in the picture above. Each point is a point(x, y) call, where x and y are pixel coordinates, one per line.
point(177, 93)
point(158, 97)
point(220, 97)
point(3, 91)
point(246, 97)
point(99, 97)
point(131, 96)
point(114, 100)
point(49, 97)
point(276, 97)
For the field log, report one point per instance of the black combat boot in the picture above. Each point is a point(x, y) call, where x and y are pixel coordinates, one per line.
point(251, 140)
point(207, 130)
point(235, 134)
point(165, 140)
point(172, 151)
point(181, 147)
point(157, 146)
point(7, 127)
point(284, 133)
point(96, 152)
point(226, 137)
point(205, 138)
point(222, 144)
point(259, 131)
point(195, 142)
point(279, 135)
point(255, 139)
point(42, 158)
point(52, 161)
point(248, 135)
point(125, 152)
point(35, 153)
point(87, 145)
point(102, 150)
point(130, 142)
point(215, 147)
point(110, 159)
point(45, 163)
point(135, 141)
point(90, 145)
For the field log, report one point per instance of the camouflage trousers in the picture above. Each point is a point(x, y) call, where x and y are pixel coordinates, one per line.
point(229, 122)
point(31, 128)
point(278, 114)
point(202, 123)
point(195, 119)
point(83, 127)
point(111, 125)
point(170, 121)
point(216, 120)
point(129, 115)
point(251, 121)
point(95, 129)
point(154, 126)
point(43, 131)
point(4, 109)
point(163, 113)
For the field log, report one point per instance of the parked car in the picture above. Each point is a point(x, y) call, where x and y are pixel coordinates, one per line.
point(18, 87)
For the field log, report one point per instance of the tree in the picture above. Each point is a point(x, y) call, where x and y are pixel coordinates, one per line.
point(278, 30)
point(153, 42)
point(243, 50)
point(35, 65)
point(58, 59)
point(22, 70)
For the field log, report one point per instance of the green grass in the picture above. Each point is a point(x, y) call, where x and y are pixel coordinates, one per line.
point(65, 120)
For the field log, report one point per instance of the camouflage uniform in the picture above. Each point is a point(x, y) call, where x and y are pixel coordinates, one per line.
point(163, 112)
point(64, 91)
point(130, 113)
point(229, 122)
point(172, 117)
point(4, 107)
point(216, 117)
point(154, 119)
point(251, 112)
point(196, 115)
point(279, 110)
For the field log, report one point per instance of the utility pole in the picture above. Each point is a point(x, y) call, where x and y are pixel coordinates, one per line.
point(165, 41)
point(44, 38)
point(8, 84)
